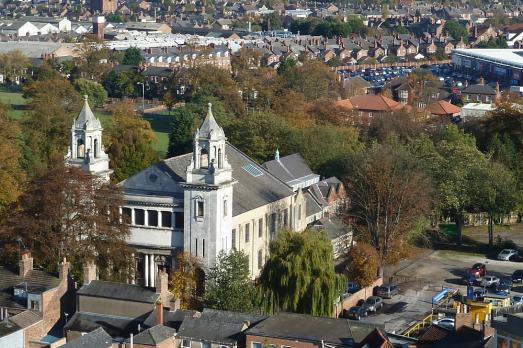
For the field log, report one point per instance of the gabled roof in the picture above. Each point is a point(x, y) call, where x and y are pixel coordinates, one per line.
point(371, 103)
point(154, 335)
point(442, 107)
point(94, 339)
point(115, 326)
point(289, 168)
point(121, 291)
point(479, 89)
point(35, 279)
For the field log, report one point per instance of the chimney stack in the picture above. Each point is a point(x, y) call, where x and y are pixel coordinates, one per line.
point(159, 312)
point(64, 269)
point(25, 264)
point(482, 81)
point(99, 27)
point(90, 272)
point(162, 286)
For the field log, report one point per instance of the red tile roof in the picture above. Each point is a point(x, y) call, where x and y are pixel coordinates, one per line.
point(370, 102)
point(442, 108)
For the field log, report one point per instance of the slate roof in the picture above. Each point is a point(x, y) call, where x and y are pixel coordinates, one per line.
point(479, 89)
point(249, 192)
point(288, 168)
point(35, 279)
point(442, 107)
point(154, 335)
point(115, 326)
point(94, 339)
point(334, 227)
point(170, 319)
point(121, 291)
point(231, 317)
point(308, 328)
point(25, 318)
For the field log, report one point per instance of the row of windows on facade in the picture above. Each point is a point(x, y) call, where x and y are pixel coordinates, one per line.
point(187, 344)
point(154, 218)
point(260, 345)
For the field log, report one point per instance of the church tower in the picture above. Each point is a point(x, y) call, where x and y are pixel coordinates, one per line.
point(86, 150)
point(208, 194)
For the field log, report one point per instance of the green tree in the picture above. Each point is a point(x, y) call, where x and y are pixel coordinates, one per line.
point(228, 285)
point(132, 56)
point(123, 84)
point(493, 192)
point(456, 30)
point(182, 126)
point(285, 65)
point(94, 90)
point(185, 281)
point(299, 274)
point(129, 142)
point(13, 65)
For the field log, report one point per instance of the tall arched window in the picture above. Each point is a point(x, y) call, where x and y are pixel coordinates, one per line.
point(80, 148)
point(220, 161)
point(204, 159)
point(95, 148)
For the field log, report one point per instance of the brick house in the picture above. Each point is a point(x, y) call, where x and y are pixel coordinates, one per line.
point(35, 300)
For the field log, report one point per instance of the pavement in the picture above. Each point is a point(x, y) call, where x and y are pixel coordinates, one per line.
point(421, 278)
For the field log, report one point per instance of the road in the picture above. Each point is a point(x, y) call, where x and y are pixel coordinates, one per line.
point(423, 278)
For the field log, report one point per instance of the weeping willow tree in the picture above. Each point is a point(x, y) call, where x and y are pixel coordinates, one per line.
point(299, 275)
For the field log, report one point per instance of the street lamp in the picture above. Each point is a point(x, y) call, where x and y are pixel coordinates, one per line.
point(143, 96)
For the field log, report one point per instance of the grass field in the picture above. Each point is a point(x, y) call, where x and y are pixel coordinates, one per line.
point(15, 101)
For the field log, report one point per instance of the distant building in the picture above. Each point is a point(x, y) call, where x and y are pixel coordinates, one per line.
point(104, 6)
point(471, 111)
point(497, 64)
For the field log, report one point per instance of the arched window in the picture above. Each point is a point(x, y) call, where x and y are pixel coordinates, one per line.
point(204, 159)
point(220, 161)
point(80, 148)
point(95, 148)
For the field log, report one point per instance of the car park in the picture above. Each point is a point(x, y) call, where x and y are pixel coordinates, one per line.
point(507, 254)
point(373, 304)
point(355, 313)
point(447, 323)
point(387, 291)
point(517, 276)
point(489, 281)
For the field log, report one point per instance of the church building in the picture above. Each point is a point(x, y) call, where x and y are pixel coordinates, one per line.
point(215, 198)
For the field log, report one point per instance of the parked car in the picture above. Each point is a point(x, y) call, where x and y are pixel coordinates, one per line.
point(504, 287)
point(355, 313)
point(387, 291)
point(517, 276)
point(507, 254)
point(373, 304)
point(480, 292)
point(352, 287)
point(478, 270)
point(445, 322)
point(489, 281)
point(517, 300)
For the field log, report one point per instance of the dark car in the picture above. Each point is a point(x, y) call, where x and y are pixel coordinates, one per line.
point(504, 287)
point(517, 276)
point(478, 270)
point(355, 313)
point(352, 287)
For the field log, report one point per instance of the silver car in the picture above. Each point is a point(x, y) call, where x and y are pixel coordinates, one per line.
point(387, 291)
point(489, 281)
point(507, 254)
point(373, 304)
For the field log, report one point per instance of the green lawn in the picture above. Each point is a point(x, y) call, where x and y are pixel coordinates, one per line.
point(159, 124)
point(15, 101)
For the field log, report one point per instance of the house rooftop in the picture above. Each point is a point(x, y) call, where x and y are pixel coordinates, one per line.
point(121, 291)
point(95, 339)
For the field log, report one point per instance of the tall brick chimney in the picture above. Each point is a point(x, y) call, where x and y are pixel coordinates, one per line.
point(158, 308)
point(90, 272)
point(162, 287)
point(99, 27)
point(64, 269)
point(25, 264)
